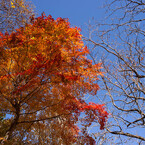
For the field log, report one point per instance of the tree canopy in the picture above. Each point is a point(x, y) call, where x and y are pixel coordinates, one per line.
point(44, 75)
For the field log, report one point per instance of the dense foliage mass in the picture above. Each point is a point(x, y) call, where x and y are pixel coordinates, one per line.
point(44, 75)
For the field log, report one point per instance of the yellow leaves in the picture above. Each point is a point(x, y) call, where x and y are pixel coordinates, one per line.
point(34, 59)
point(32, 38)
point(12, 4)
point(1, 138)
point(20, 3)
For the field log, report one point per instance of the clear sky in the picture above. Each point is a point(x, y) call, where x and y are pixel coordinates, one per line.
point(79, 12)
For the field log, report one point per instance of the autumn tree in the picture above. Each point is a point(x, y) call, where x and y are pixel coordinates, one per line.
point(44, 75)
point(14, 13)
point(118, 43)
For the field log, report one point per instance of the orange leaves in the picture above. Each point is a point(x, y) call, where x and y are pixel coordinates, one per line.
point(78, 106)
point(101, 113)
point(49, 46)
point(51, 71)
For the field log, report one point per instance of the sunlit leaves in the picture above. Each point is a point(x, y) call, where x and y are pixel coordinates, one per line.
point(46, 73)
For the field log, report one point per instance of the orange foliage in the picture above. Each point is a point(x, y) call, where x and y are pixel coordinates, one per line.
point(43, 67)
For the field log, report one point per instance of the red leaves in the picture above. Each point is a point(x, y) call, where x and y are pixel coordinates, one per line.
point(77, 106)
point(101, 113)
point(66, 77)
point(50, 55)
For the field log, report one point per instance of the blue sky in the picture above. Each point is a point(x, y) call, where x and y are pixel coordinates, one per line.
point(79, 12)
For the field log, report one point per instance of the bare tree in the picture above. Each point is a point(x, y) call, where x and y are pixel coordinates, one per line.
point(118, 42)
